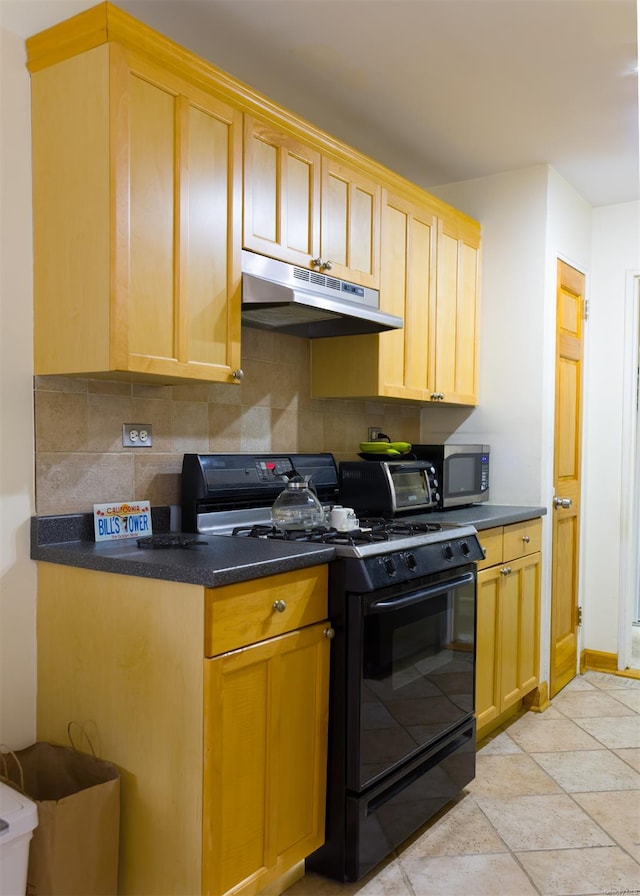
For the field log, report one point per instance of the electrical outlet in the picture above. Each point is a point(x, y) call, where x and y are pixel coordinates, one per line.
point(137, 435)
point(374, 434)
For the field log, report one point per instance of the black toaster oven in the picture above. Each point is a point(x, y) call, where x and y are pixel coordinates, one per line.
point(388, 487)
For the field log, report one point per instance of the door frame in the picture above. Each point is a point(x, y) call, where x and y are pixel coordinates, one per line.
point(630, 470)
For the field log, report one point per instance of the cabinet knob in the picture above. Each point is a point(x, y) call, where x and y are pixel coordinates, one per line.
point(316, 262)
point(437, 396)
point(326, 266)
point(279, 606)
point(505, 571)
point(238, 374)
point(329, 633)
point(526, 539)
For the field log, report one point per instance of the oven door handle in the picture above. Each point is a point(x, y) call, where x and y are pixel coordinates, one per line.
point(398, 603)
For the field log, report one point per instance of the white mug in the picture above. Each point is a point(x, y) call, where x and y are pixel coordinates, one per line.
point(343, 518)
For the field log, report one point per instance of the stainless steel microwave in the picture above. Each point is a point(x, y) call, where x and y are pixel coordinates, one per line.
point(461, 473)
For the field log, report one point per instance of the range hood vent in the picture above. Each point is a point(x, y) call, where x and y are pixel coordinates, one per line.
point(300, 302)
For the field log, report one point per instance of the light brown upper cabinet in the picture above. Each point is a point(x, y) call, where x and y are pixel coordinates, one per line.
point(152, 169)
point(137, 212)
point(454, 374)
point(350, 224)
point(281, 194)
point(306, 208)
point(429, 277)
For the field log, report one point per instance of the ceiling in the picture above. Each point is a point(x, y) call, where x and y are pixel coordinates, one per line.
point(438, 90)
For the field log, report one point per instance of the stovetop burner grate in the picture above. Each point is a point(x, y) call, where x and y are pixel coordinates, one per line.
point(317, 534)
point(372, 530)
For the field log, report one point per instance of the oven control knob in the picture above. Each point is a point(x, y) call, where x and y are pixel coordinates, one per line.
point(410, 560)
point(389, 566)
point(464, 547)
point(447, 552)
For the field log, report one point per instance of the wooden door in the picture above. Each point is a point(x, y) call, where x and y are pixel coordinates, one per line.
point(281, 195)
point(527, 571)
point(350, 224)
point(407, 273)
point(266, 716)
point(567, 457)
point(487, 645)
point(454, 346)
point(177, 178)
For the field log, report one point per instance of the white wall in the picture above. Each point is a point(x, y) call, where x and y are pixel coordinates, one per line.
point(18, 572)
point(529, 219)
point(615, 258)
point(512, 209)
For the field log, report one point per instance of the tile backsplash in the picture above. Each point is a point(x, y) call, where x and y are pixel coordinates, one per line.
point(78, 423)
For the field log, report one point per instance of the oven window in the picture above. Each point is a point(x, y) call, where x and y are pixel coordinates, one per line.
point(461, 474)
point(417, 676)
point(410, 487)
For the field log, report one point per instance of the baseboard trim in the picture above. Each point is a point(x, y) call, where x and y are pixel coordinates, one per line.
point(600, 661)
point(538, 699)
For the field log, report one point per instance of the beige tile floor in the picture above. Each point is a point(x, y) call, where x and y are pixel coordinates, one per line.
point(554, 809)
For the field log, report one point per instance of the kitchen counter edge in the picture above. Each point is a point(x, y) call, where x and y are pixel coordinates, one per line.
point(487, 516)
point(221, 561)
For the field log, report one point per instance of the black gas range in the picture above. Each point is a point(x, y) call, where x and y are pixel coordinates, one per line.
point(402, 602)
point(232, 494)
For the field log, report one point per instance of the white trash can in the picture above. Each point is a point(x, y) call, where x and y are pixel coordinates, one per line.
point(18, 818)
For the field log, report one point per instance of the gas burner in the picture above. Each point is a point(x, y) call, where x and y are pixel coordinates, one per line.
point(394, 527)
point(317, 534)
point(264, 530)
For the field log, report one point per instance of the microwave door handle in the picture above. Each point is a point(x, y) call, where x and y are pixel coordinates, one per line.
point(387, 605)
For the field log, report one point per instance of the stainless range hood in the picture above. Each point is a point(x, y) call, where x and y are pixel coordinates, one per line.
point(301, 302)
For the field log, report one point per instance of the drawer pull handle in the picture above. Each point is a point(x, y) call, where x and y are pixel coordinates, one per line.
point(329, 633)
point(279, 606)
point(526, 539)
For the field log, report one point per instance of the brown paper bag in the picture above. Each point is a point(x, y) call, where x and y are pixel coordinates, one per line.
point(74, 849)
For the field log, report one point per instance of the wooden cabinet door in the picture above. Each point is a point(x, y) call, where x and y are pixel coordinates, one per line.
point(487, 641)
point(454, 347)
point(392, 364)
point(407, 287)
point(350, 224)
point(178, 177)
point(508, 625)
point(266, 712)
point(281, 195)
point(137, 191)
point(519, 628)
point(528, 570)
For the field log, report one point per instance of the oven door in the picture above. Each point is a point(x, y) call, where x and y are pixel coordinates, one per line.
point(411, 671)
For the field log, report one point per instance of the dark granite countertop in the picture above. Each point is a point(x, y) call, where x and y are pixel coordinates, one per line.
point(68, 540)
point(486, 516)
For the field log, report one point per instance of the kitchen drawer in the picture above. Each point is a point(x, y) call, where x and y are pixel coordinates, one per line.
point(521, 539)
point(491, 542)
point(245, 613)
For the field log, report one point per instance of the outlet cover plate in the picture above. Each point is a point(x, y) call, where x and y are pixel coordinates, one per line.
point(137, 435)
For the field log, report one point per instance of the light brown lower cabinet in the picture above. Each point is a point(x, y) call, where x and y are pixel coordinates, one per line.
point(222, 751)
point(508, 619)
